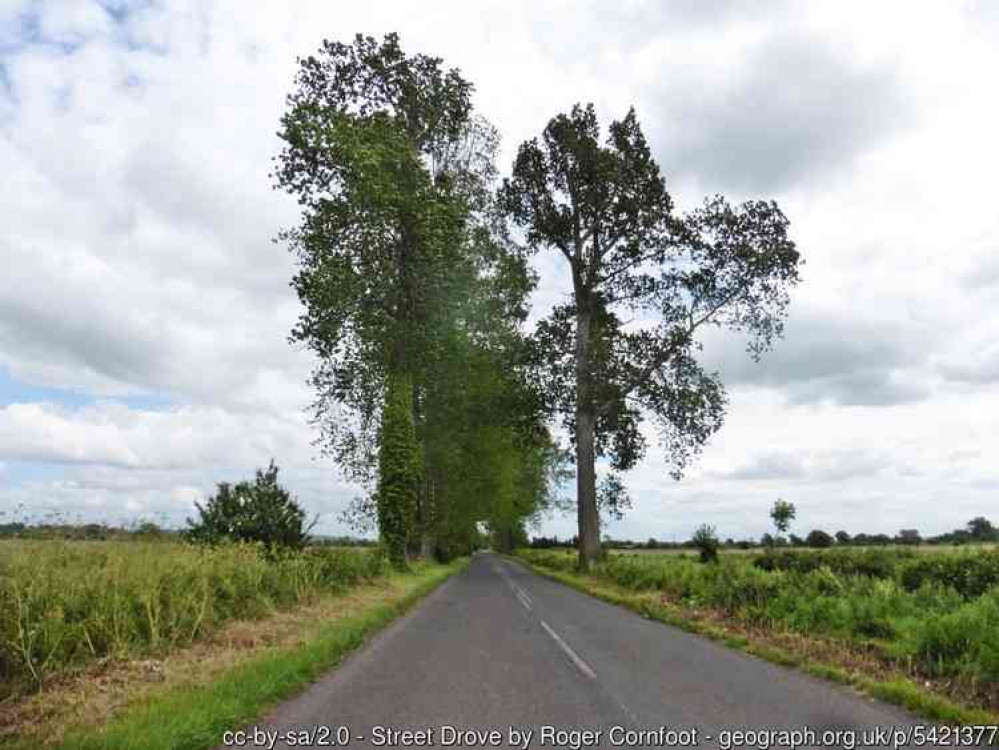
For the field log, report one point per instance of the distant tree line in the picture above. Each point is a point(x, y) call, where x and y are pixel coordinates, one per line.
point(141, 531)
point(979, 530)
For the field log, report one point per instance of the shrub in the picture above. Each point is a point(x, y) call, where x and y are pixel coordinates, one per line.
point(876, 563)
point(706, 541)
point(970, 574)
point(964, 640)
point(259, 512)
point(819, 539)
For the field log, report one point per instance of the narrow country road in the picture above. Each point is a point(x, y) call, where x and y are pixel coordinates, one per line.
point(498, 646)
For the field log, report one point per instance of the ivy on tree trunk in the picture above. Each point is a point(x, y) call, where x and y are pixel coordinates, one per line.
point(399, 469)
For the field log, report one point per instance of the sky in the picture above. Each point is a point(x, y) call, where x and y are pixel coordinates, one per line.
point(145, 308)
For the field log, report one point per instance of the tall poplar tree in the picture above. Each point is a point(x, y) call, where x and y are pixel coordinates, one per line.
point(412, 293)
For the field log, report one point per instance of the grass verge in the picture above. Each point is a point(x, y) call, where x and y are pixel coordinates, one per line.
point(865, 675)
point(192, 714)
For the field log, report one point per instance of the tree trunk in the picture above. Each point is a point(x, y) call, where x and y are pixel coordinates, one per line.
point(586, 490)
point(586, 423)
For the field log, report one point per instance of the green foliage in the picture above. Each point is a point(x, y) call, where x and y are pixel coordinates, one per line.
point(388, 164)
point(399, 470)
point(612, 497)
point(782, 514)
point(971, 575)
point(65, 604)
point(909, 536)
point(981, 530)
point(406, 273)
point(259, 512)
point(602, 203)
point(963, 641)
point(876, 563)
point(819, 539)
point(706, 540)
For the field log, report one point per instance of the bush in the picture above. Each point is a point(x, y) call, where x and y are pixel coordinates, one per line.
point(819, 539)
point(706, 541)
point(260, 512)
point(875, 563)
point(964, 640)
point(970, 574)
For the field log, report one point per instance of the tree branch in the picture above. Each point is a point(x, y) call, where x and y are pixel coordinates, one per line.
point(666, 354)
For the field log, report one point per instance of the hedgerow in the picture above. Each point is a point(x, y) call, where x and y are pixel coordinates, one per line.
point(970, 574)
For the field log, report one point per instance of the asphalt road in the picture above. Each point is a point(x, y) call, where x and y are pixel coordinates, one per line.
point(498, 646)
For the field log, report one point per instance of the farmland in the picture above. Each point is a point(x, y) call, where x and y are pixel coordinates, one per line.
point(934, 617)
point(65, 605)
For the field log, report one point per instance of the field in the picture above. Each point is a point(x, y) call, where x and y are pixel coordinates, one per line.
point(927, 549)
point(931, 616)
point(67, 605)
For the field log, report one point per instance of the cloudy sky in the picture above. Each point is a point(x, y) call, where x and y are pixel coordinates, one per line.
point(144, 310)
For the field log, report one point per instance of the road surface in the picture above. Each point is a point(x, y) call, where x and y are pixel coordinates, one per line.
point(498, 646)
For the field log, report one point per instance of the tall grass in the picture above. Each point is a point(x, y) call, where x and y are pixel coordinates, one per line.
point(940, 614)
point(64, 604)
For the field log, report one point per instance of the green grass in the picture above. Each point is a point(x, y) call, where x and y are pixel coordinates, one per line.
point(194, 718)
point(929, 629)
point(66, 604)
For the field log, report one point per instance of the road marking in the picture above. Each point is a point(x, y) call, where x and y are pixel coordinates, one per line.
point(629, 714)
point(582, 665)
point(522, 595)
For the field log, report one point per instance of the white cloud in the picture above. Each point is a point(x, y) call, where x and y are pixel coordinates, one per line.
point(113, 434)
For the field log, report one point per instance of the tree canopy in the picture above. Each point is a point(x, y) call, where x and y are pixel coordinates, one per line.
point(782, 513)
point(413, 296)
point(645, 279)
point(429, 391)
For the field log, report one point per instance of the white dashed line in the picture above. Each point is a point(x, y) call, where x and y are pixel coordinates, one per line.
point(582, 665)
point(522, 595)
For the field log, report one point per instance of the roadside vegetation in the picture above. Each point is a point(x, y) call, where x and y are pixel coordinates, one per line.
point(222, 681)
point(65, 605)
point(931, 618)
